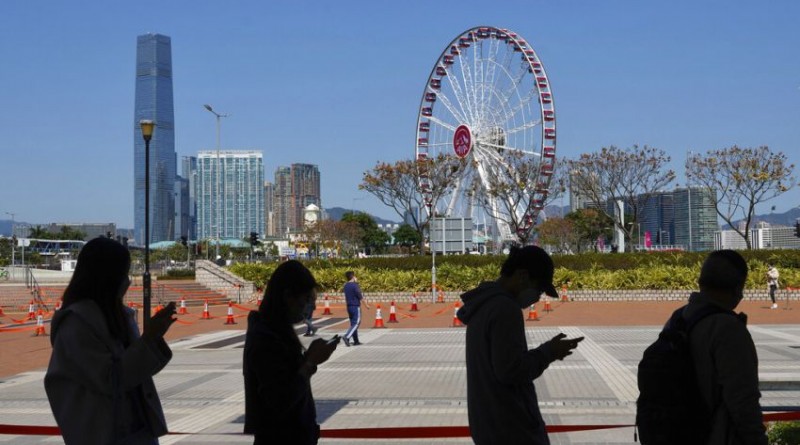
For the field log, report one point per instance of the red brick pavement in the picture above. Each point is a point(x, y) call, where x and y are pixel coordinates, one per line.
point(21, 351)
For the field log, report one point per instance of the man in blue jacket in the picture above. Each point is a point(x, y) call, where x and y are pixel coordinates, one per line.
point(502, 403)
point(354, 298)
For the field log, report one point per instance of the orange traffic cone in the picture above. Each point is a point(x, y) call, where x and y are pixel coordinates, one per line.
point(378, 317)
point(532, 314)
point(414, 307)
point(564, 296)
point(547, 307)
point(1, 312)
point(440, 298)
point(58, 304)
point(456, 321)
point(31, 311)
point(158, 308)
point(182, 310)
point(39, 326)
point(206, 314)
point(327, 310)
point(230, 319)
point(392, 313)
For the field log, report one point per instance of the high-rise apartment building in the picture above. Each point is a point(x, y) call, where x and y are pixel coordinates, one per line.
point(153, 101)
point(305, 191)
point(696, 220)
point(269, 199)
point(231, 204)
point(281, 205)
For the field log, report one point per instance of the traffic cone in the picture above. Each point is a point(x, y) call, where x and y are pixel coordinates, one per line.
point(456, 322)
point(440, 298)
point(532, 314)
point(58, 304)
point(564, 296)
point(378, 317)
point(206, 315)
point(230, 319)
point(414, 307)
point(31, 311)
point(547, 307)
point(2, 314)
point(39, 326)
point(327, 310)
point(392, 313)
point(182, 310)
point(158, 308)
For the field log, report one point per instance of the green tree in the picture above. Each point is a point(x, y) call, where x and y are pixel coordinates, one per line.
point(373, 238)
point(589, 225)
point(406, 236)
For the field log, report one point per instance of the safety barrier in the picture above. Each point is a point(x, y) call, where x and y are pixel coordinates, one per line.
point(423, 432)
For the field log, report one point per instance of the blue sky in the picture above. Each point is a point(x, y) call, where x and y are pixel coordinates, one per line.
point(338, 84)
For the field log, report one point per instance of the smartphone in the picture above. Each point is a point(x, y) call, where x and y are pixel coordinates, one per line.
point(333, 340)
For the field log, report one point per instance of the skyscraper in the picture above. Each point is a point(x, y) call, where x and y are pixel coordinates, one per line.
point(282, 201)
point(189, 172)
point(153, 101)
point(305, 180)
point(269, 198)
point(241, 209)
point(695, 218)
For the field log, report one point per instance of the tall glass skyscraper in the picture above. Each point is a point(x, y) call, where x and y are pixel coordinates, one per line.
point(154, 102)
point(231, 205)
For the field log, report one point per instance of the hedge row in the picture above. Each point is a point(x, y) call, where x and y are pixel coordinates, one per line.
point(676, 270)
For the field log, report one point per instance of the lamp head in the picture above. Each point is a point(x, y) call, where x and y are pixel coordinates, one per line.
point(147, 128)
point(208, 107)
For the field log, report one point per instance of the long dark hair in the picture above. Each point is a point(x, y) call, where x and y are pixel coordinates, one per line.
point(290, 278)
point(103, 266)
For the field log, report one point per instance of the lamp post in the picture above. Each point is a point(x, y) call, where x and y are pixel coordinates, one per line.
point(147, 134)
point(219, 199)
point(12, 236)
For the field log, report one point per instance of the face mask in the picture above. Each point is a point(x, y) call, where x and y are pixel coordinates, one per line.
point(528, 296)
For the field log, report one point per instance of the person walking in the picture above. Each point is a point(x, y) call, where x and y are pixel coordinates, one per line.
point(308, 314)
point(772, 282)
point(279, 404)
point(99, 381)
point(501, 398)
point(354, 299)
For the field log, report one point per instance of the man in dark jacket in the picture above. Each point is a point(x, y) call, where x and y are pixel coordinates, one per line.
point(502, 403)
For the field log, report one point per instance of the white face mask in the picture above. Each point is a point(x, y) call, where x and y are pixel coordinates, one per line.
point(528, 296)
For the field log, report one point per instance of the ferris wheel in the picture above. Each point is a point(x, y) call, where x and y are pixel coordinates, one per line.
point(488, 102)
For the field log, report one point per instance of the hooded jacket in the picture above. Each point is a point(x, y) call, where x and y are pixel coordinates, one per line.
point(99, 391)
point(279, 405)
point(502, 403)
point(727, 371)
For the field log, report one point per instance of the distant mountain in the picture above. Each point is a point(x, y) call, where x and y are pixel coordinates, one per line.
point(787, 218)
point(336, 213)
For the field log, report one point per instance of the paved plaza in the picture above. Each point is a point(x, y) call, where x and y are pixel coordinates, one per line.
point(410, 377)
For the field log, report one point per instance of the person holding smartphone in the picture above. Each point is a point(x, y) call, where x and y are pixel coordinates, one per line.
point(279, 405)
point(501, 398)
point(100, 378)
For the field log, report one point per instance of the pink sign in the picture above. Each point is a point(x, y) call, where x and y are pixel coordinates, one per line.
point(462, 141)
point(648, 240)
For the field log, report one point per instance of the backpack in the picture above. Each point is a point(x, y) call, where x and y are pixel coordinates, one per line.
point(670, 409)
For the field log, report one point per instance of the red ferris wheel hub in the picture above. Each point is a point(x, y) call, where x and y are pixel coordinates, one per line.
point(462, 141)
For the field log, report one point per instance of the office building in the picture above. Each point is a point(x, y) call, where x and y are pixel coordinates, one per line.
point(657, 218)
point(154, 101)
point(230, 194)
point(696, 222)
point(189, 172)
point(182, 218)
point(305, 180)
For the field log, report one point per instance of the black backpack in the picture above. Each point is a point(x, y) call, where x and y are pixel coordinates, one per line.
point(670, 409)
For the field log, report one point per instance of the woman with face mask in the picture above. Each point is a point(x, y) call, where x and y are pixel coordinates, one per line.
point(279, 406)
point(100, 378)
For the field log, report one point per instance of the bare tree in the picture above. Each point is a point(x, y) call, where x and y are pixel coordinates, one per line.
point(509, 192)
point(741, 178)
point(405, 185)
point(629, 175)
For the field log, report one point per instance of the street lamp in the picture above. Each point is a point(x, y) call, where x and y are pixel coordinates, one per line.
point(12, 236)
point(147, 134)
point(219, 200)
